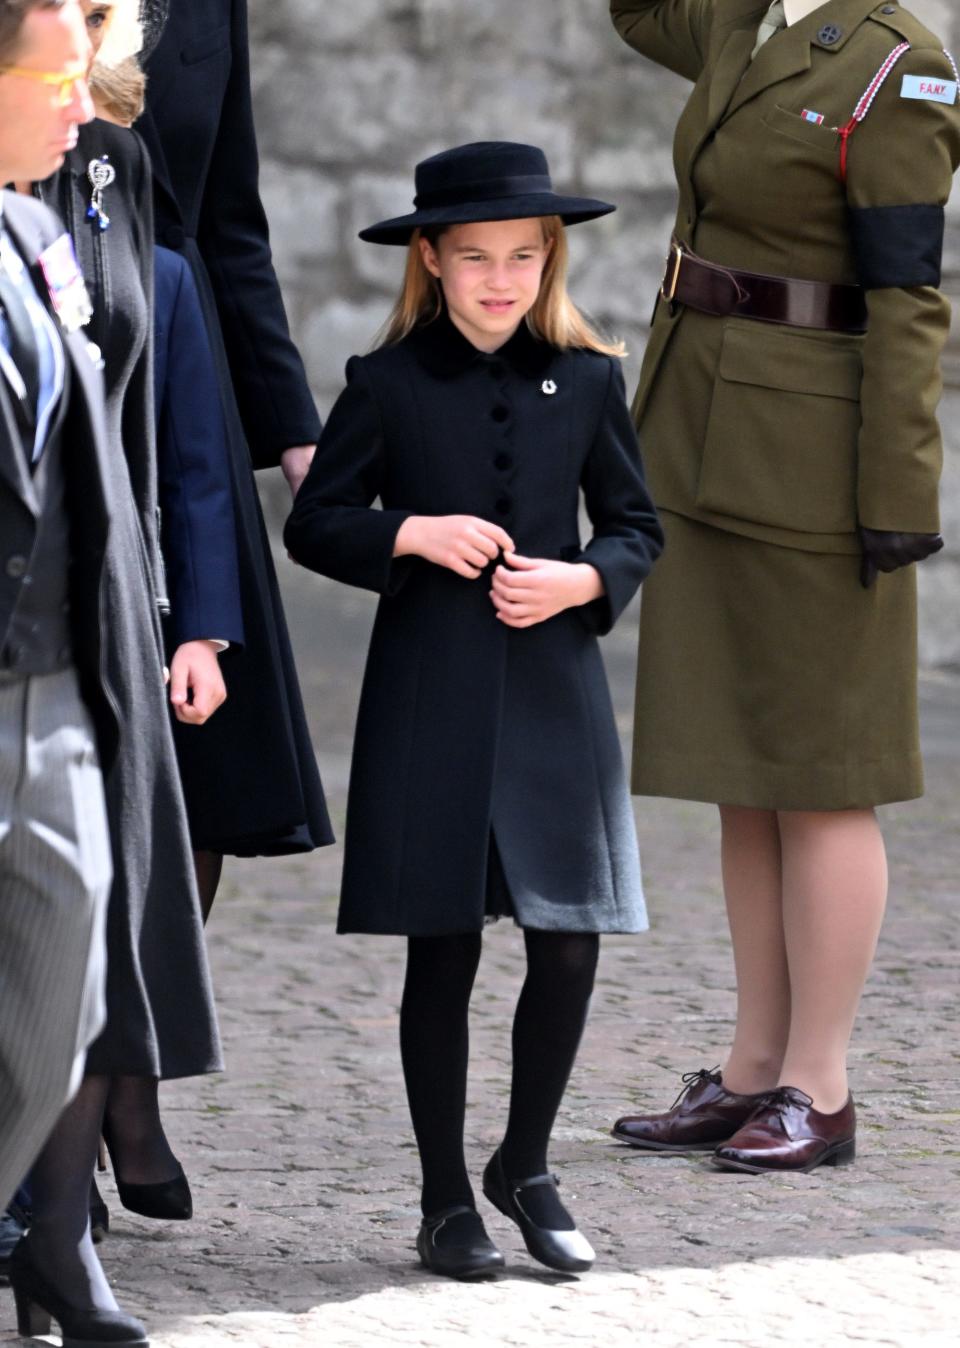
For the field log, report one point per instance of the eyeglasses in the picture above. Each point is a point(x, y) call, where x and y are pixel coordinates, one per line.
point(63, 81)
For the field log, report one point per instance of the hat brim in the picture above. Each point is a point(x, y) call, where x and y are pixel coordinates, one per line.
point(572, 211)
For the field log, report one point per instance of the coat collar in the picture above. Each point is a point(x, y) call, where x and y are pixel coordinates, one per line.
point(737, 80)
point(442, 348)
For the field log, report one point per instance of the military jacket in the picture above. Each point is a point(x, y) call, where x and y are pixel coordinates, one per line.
point(796, 436)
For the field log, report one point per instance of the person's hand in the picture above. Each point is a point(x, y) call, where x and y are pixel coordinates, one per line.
point(296, 463)
point(529, 590)
point(462, 543)
point(196, 684)
point(883, 551)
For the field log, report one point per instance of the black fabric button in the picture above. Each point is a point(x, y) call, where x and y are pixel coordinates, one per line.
point(64, 655)
point(504, 505)
point(16, 567)
point(503, 462)
point(829, 34)
point(175, 236)
point(500, 413)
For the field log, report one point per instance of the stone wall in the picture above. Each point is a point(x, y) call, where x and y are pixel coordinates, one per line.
point(350, 94)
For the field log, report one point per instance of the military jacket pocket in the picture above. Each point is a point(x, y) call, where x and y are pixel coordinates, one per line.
point(781, 440)
point(791, 124)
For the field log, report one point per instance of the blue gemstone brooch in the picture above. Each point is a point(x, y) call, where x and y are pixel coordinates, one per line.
point(102, 175)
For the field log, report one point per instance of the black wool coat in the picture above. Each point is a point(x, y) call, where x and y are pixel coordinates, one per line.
point(200, 131)
point(250, 779)
point(468, 728)
point(160, 1016)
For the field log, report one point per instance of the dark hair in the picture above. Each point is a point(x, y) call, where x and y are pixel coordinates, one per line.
point(12, 15)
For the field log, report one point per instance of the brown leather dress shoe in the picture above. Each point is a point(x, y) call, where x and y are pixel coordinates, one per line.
point(702, 1115)
point(786, 1133)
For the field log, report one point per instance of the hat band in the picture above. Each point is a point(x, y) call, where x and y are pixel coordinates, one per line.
point(489, 189)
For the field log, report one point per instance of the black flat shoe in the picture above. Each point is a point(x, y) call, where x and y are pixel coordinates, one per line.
point(565, 1251)
point(467, 1252)
point(38, 1304)
point(170, 1201)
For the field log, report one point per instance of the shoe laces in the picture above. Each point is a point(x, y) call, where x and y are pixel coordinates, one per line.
point(691, 1079)
point(782, 1098)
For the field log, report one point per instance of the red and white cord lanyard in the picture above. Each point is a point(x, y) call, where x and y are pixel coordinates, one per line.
point(870, 94)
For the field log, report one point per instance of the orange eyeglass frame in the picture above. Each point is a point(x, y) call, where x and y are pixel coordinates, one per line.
point(64, 81)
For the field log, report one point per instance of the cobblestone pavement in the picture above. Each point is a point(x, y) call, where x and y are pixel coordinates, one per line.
point(303, 1168)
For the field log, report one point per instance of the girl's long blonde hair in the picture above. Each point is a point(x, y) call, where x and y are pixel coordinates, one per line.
point(554, 317)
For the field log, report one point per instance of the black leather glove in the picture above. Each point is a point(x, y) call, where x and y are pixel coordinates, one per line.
point(884, 551)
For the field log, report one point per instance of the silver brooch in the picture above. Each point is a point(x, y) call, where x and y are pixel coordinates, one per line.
point(548, 387)
point(102, 175)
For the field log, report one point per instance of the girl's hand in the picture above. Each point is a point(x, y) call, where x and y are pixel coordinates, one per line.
point(536, 589)
point(462, 543)
point(197, 688)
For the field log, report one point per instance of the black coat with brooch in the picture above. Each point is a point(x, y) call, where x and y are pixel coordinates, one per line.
point(250, 778)
point(160, 1015)
point(118, 266)
point(468, 728)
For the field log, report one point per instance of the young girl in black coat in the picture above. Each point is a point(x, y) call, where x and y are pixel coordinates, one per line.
point(487, 776)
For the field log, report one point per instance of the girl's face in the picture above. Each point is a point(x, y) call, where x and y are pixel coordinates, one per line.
point(97, 14)
point(490, 273)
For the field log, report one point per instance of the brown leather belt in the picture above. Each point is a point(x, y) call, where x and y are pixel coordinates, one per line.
point(724, 292)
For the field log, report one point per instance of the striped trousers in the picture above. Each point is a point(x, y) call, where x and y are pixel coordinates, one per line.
point(55, 875)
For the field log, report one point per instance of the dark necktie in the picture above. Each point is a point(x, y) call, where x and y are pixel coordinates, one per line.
point(23, 342)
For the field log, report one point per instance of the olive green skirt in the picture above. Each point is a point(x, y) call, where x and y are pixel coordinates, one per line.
point(769, 677)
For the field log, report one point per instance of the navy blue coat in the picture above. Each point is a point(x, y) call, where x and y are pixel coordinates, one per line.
point(198, 533)
point(466, 727)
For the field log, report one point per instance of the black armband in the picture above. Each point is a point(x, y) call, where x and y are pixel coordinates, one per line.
point(897, 245)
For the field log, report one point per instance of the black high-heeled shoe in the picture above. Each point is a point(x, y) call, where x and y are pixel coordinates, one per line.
point(169, 1201)
point(38, 1304)
point(565, 1251)
point(100, 1216)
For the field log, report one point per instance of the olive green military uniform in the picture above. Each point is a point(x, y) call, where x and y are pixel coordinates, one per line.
point(768, 676)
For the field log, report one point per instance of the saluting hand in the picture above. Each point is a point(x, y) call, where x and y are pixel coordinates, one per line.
point(529, 590)
point(196, 684)
point(462, 543)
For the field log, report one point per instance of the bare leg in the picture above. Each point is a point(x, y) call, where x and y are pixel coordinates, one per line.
point(751, 862)
point(834, 895)
point(208, 866)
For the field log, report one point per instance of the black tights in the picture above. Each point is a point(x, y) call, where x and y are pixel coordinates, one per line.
point(434, 1045)
point(60, 1184)
point(208, 867)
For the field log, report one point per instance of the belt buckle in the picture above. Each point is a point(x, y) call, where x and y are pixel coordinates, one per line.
point(674, 260)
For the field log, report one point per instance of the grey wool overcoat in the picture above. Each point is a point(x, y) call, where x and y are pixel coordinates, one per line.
point(468, 729)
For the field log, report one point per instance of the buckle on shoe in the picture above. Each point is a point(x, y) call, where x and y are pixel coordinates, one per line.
point(674, 260)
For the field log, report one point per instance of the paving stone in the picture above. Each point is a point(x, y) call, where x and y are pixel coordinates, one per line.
point(304, 1170)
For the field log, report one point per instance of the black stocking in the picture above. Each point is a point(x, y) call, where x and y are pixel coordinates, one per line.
point(434, 1046)
point(547, 1028)
point(60, 1183)
point(208, 867)
point(138, 1145)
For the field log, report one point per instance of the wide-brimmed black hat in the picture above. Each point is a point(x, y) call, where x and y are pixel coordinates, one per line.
point(489, 180)
point(153, 20)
